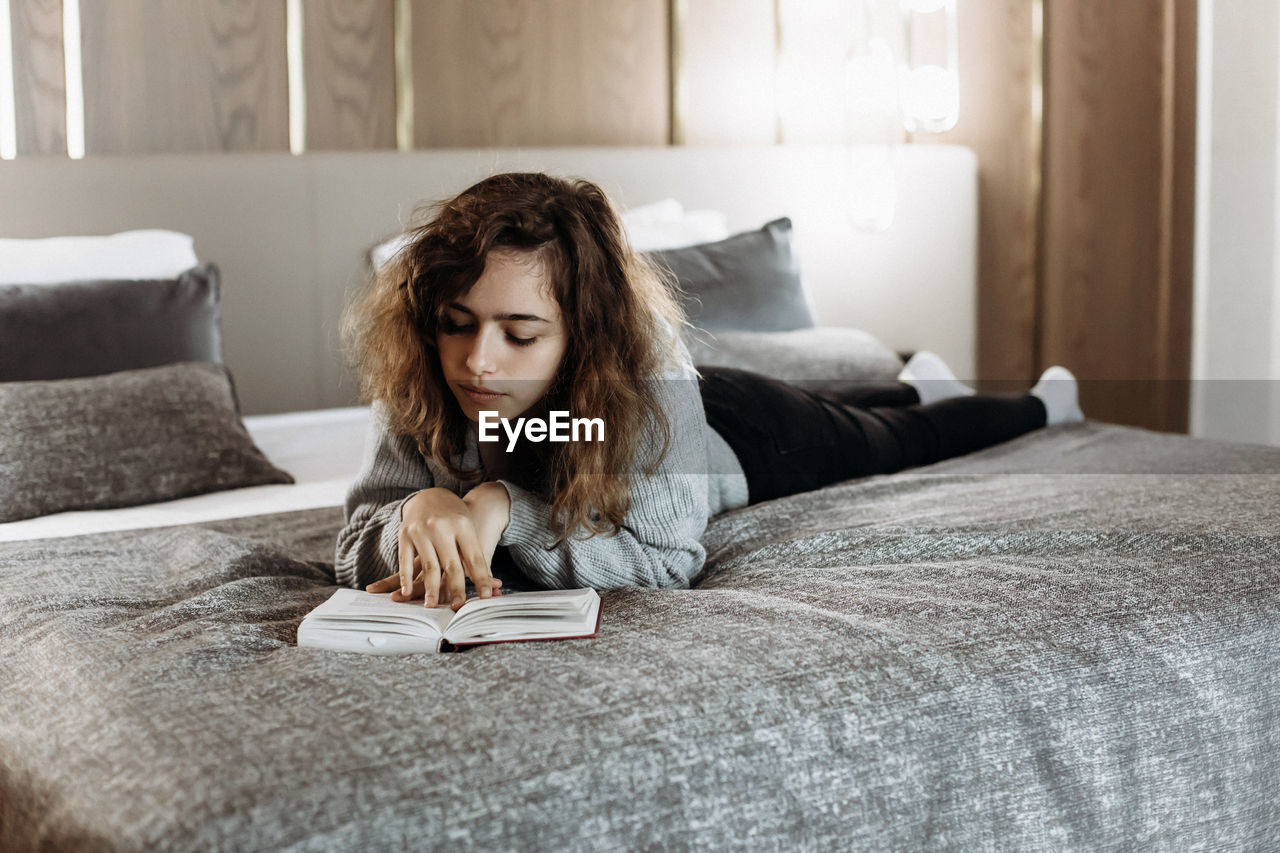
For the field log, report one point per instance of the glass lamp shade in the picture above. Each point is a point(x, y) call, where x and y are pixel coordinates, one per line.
point(930, 78)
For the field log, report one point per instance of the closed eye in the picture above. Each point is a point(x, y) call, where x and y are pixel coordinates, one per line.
point(448, 327)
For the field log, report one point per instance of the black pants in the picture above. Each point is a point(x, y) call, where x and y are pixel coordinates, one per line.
point(791, 440)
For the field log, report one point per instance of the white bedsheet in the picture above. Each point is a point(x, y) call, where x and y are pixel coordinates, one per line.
point(322, 450)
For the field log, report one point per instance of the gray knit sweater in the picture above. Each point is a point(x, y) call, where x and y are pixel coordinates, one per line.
point(658, 545)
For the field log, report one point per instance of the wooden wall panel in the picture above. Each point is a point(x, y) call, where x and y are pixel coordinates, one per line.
point(349, 65)
point(1174, 316)
point(555, 72)
point(39, 76)
point(999, 55)
point(724, 67)
point(172, 75)
point(1119, 126)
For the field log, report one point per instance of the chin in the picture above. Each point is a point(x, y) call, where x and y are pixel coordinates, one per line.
point(472, 409)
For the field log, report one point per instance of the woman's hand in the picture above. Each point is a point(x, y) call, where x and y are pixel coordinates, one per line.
point(391, 583)
point(439, 537)
point(490, 506)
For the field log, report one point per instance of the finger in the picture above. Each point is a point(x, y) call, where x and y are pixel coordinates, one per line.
point(407, 555)
point(495, 585)
point(454, 576)
point(387, 584)
point(431, 580)
point(446, 595)
point(477, 566)
point(398, 593)
point(428, 561)
point(456, 583)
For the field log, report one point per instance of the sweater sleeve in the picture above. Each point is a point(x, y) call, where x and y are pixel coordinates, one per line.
point(392, 472)
point(659, 543)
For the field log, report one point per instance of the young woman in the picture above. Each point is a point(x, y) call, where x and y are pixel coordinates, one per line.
point(521, 299)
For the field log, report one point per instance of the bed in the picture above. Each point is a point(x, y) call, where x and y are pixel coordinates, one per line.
point(1068, 641)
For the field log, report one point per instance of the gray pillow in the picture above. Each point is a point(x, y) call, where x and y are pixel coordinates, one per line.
point(828, 359)
point(88, 328)
point(749, 281)
point(134, 437)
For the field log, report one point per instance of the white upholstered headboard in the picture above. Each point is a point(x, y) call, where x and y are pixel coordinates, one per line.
point(289, 233)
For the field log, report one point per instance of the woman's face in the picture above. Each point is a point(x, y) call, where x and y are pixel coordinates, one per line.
point(504, 335)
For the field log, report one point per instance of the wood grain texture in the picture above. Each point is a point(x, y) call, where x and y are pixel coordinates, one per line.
point(1174, 355)
point(725, 72)
point(39, 76)
point(1118, 215)
point(554, 72)
point(173, 75)
point(349, 66)
point(998, 57)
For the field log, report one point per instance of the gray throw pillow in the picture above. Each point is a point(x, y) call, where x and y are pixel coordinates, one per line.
point(134, 437)
point(749, 281)
point(89, 328)
point(819, 359)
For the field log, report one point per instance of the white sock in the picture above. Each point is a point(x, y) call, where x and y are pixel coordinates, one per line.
point(1057, 390)
point(932, 379)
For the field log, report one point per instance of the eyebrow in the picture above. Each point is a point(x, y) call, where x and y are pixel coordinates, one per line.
point(529, 318)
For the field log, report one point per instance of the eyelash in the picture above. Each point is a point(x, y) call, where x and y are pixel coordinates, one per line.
point(452, 329)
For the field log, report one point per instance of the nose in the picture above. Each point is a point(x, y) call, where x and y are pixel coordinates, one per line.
point(479, 358)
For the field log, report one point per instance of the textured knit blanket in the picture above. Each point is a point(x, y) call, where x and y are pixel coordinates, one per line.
point(1070, 641)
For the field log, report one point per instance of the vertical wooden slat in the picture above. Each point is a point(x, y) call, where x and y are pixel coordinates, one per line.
point(1174, 355)
point(556, 72)
point(626, 68)
point(998, 53)
point(172, 75)
point(349, 63)
point(39, 76)
point(726, 72)
point(1173, 327)
point(1116, 294)
point(477, 102)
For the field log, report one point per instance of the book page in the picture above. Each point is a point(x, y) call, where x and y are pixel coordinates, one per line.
point(555, 600)
point(543, 613)
point(362, 610)
point(315, 635)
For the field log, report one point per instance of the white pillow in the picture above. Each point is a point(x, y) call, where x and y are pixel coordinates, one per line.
point(142, 254)
point(654, 213)
point(666, 224)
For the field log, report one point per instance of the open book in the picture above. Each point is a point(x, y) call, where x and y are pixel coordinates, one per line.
point(353, 620)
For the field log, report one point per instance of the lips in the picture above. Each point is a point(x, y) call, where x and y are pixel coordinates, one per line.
point(480, 394)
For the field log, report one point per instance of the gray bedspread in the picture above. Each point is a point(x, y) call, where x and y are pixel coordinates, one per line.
point(1070, 641)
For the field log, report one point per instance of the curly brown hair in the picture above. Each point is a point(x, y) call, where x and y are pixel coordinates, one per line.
point(613, 302)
